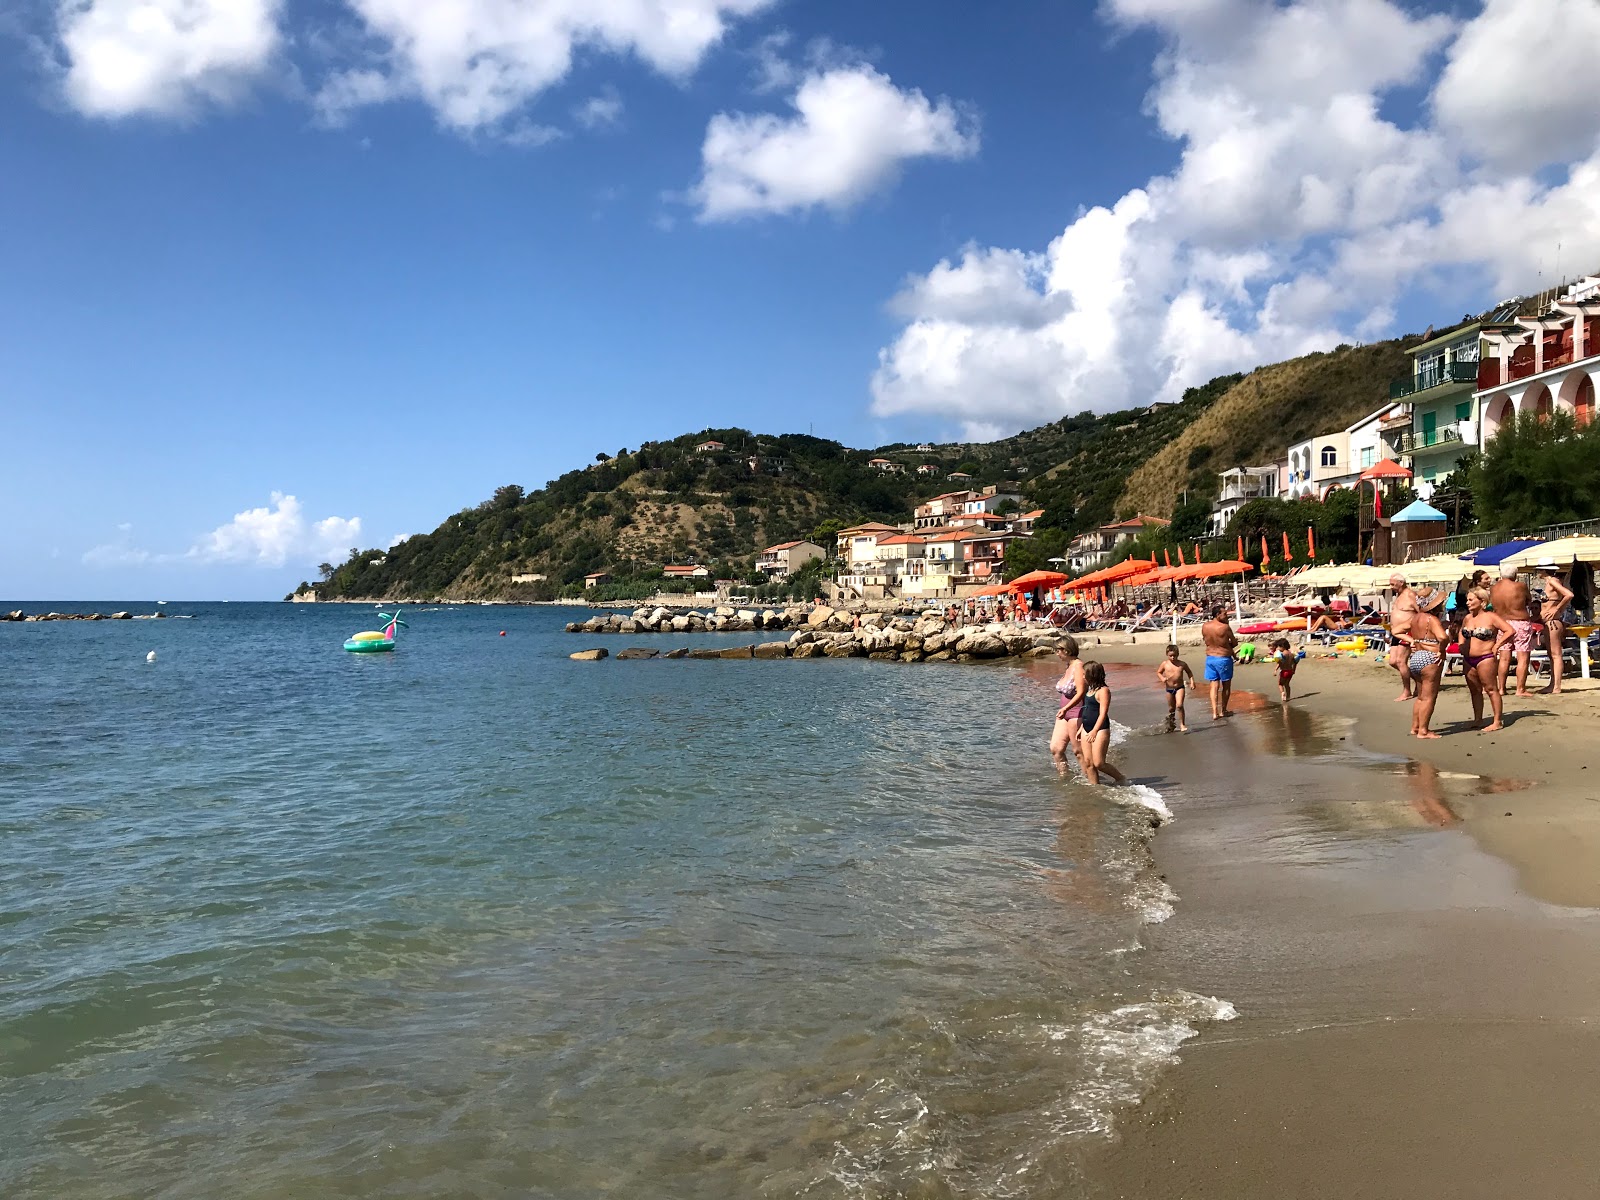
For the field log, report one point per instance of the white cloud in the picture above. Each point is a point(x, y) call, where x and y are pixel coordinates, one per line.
point(851, 132)
point(270, 536)
point(164, 57)
point(603, 111)
point(396, 540)
point(478, 62)
point(1296, 216)
point(1517, 89)
point(274, 535)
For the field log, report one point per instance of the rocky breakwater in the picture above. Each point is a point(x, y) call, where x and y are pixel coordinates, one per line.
point(827, 634)
point(721, 620)
point(19, 615)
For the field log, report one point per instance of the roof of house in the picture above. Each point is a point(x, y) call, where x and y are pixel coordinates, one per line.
point(959, 475)
point(955, 535)
point(785, 546)
point(596, 574)
point(1032, 516)
point(904, 539)
point(1137, 522)
point(712, 442)
point(870, 527)
point(689, 570)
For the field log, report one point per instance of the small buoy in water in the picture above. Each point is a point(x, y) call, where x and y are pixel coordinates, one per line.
point(502, 633)
point(151, 657)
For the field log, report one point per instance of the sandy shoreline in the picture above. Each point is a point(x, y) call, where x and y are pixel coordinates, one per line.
point(1408, 930)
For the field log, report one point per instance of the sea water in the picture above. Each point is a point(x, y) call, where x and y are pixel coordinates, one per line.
point(471, 919)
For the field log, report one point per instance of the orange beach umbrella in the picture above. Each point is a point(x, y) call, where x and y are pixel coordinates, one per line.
point(1036, 579)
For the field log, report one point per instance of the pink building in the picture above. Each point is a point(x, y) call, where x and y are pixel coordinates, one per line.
point(1544, 363)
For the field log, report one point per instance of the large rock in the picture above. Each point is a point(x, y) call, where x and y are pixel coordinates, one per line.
point(939, 656)
point(820, 616)
point(17, 615)
point(911, 655)
point(884, 654)
point(983, 645)
point(659, 615)
point(587, 655)
point(772, 650)
point(801, 637)
point(935, 642)
point(807, 650)
point(574, 627)
point(705, 652)
point(638, 652)
point(680, 624)
point(680, 652)
point(628, 626)
point(725, 610)
point(845, 648)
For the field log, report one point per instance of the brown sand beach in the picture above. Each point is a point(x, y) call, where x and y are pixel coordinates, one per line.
point(1409, 930)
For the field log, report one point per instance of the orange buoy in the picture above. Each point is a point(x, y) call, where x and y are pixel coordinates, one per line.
point(502, 633)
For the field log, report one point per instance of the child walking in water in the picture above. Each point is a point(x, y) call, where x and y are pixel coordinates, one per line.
point(1174, 675)
point(1283, 659)
point(1096, 718)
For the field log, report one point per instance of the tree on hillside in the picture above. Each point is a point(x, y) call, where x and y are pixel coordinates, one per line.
point(1539, 470)
point(1191, 521)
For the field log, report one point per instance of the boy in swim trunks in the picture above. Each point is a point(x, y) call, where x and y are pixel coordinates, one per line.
point(1172, 671)
point(1283, 658)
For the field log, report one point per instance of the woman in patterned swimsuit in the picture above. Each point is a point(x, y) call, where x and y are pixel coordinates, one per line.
point(1483, 636)
point(1426, 638)
point(1072, 689)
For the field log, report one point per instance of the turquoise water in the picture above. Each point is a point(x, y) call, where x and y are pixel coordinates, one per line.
point(475, 920)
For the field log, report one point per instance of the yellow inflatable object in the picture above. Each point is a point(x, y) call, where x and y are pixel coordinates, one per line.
point(1358, 644)
point(368, 636)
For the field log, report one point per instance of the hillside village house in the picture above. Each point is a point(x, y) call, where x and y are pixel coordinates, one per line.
point(709, 447)
point(1023, 523)
point(940, 509)
point(887, 466)
point(990, 499)
point(857, 546)
point(693, 571)
point(1542, 364)
point(1087, 549)
point(596, 578)
point(927, 469)
point(784, 559)
point(1241, 485)
point(1438, 425)
point(925, 448)
point(958, 476)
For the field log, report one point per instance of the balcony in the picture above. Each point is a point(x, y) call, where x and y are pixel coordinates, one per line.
point(1421, 441)
point(1234, 492)
point(1440, 375)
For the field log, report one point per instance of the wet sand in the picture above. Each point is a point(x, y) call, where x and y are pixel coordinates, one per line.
point(1408, 932)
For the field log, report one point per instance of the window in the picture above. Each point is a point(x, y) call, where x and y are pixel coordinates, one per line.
point(1464, 411)
point(1330, 457)
point(1369, 455)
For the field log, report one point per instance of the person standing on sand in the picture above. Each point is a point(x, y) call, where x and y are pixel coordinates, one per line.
point(1284, 660)
point(1072, 689)
point(1402, 610)
point(1557, 595)
point(1509, 597)
point(1096, 736)
point(1427, 634)
point(1174, 673)
point(1483, 636)
point(1220, 643)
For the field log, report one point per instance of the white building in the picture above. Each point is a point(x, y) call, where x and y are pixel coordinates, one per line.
point(1543, 364)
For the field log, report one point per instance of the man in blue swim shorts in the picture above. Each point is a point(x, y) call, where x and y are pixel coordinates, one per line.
point(1220, 645)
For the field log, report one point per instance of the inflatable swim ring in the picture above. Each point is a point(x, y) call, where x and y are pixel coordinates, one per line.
point(370, 641)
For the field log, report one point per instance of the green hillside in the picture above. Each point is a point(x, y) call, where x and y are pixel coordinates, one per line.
point(668, 502)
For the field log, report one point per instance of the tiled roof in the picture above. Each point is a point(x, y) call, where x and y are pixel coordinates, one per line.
point(904, 539)
point(780, 546)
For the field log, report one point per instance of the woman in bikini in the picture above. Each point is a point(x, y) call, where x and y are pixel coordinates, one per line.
point(1483, 636)
point(1096, 736)
point(1072, 689)
point(1425, 639)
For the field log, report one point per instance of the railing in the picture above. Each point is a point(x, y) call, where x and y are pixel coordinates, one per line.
point(1238, 493)
point(1445, 373)
point(1424, 439)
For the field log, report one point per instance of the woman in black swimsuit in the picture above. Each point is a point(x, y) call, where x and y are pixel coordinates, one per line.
point(1483, 636)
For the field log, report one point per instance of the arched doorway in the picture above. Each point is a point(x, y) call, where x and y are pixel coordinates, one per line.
point(1583, 402)
point(1576, 396)
point(1539, 403)
point(1499, 412)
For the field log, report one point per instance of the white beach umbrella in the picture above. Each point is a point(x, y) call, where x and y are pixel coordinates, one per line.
point(1562, 552)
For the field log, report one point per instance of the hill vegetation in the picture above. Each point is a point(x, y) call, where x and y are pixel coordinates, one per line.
point(1263, 413)
point(632, 512)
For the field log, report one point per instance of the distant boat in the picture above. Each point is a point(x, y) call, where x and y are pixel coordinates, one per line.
point(160, 601)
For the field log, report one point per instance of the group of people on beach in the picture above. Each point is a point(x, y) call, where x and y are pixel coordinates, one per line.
point(1493, 625)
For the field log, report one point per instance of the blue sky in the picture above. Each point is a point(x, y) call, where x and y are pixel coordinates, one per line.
point(319, 252)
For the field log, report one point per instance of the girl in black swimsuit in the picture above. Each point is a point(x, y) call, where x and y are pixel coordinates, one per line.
point(1096, 736)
